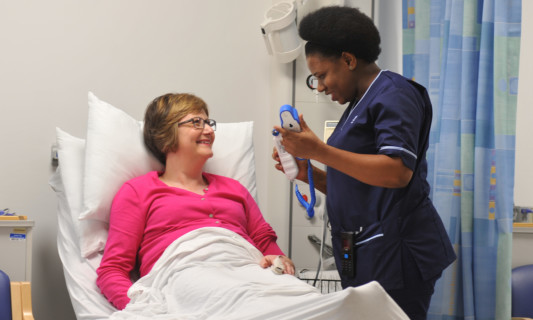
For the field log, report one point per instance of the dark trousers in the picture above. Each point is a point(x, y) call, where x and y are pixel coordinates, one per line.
point(415, 297)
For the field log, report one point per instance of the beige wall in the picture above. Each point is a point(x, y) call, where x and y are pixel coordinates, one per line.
point(127, 52)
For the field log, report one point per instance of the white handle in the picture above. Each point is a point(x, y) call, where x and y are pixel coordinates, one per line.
point(287, 160)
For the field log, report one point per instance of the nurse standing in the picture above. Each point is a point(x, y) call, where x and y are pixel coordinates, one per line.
point(375, 181)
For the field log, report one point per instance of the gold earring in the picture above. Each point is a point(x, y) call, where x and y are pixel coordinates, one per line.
point(350, 67)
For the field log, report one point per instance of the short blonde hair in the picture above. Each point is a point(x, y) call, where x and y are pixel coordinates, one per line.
point(160, 130)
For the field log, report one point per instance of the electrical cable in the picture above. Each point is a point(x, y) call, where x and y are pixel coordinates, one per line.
point(321, 253)
point(309, 207)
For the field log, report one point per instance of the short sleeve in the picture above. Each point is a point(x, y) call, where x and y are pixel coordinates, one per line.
point(399, 117)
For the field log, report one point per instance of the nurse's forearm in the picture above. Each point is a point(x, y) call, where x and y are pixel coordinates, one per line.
point(373, 169)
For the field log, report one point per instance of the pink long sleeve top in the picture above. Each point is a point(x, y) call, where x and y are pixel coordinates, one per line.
point(147, 216)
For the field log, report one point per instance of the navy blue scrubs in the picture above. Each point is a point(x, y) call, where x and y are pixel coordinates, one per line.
point(402, 241)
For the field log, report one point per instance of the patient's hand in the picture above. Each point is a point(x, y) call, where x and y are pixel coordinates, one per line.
point(268, 260)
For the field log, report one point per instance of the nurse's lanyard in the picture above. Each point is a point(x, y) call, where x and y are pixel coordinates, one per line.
point(290, 121)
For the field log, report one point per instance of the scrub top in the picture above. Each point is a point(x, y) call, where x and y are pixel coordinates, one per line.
point(392, 118)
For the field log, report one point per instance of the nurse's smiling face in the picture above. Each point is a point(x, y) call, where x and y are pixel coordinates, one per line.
point(335, 76)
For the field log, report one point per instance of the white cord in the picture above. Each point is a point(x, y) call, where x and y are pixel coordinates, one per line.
point(321, 251)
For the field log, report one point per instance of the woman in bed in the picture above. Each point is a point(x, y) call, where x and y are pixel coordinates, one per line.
point(151, 211)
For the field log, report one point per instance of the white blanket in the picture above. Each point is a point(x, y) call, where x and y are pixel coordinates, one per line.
point(213, 273)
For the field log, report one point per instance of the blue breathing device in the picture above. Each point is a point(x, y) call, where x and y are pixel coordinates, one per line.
point(290, 121)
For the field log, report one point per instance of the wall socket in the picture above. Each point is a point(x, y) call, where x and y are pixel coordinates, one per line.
point(54, 154)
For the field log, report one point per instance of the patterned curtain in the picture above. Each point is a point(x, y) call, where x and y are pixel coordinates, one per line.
point(466, 53)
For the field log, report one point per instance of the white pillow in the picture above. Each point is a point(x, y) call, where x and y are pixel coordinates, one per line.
point(115, 153)
point(71, 151)
point(92, 233)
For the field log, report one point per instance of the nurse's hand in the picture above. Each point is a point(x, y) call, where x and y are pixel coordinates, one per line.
point(304, 144)
point(302, 166)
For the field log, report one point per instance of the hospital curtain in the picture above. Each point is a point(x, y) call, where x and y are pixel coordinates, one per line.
point(466, 52)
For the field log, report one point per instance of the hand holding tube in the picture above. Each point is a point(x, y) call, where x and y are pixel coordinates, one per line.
point(301, 144)
point(286, 160)
point(302, 166)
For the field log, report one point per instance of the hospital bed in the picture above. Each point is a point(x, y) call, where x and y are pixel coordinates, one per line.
point(91, 169)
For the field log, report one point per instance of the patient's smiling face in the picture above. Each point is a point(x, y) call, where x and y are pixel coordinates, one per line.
point(195, 141)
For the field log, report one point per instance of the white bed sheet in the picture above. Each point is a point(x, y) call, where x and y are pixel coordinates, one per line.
point(213, 273)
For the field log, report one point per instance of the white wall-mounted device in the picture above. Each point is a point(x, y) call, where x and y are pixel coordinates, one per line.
point(280, 32)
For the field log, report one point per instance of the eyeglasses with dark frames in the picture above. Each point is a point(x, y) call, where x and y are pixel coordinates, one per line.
point(200, 123)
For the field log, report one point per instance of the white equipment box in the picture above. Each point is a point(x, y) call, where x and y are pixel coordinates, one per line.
point(15, 248)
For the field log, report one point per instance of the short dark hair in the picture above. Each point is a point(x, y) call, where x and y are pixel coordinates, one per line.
point(160, 130)
point(330, 31)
